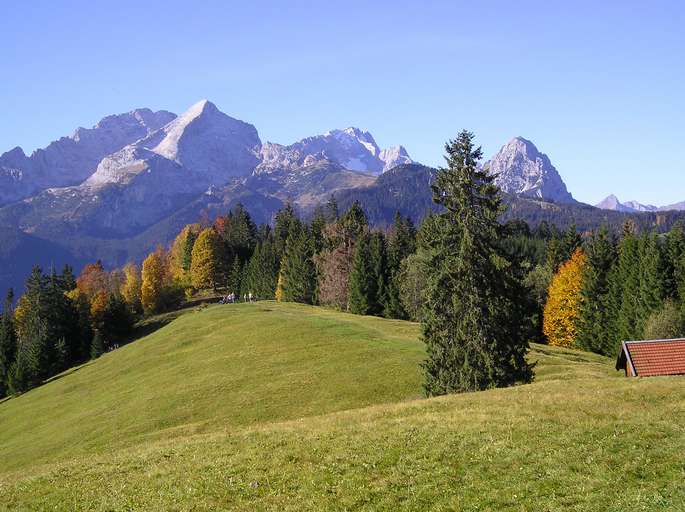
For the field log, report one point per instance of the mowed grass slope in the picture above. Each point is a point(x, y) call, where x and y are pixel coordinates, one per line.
point(223, 366)
point(323, 420)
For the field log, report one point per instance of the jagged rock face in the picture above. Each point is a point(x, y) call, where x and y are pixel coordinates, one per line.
point(521, 169)
point(211, 146)
point(70, 160)
point(352, 149)
point(143, 182)
point(395, 156)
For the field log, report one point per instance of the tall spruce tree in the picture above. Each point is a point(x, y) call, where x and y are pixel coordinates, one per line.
point(596, 314)
point(361, 279)
point(468, 327)
point(674, 257)
point(8, 343)
point(401, 244)
point(298, 274)
point(625, 288)
point(652, 271)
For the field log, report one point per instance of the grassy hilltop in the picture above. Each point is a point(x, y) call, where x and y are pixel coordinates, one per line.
point(267, 406)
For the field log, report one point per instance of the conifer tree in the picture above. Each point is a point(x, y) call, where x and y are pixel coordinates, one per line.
point(285, 223)
point(261, 272)
point(470, 335)
point(625, 288)
point(673, 258)
point(378, 267)
point(8, 343)
point(401, 244)
point(97, 346)
point(235, 278)
point(239, 235)
point(297, 269)
point(652, 271)
point(332, 212)
point(361, 280)
point(596, 315)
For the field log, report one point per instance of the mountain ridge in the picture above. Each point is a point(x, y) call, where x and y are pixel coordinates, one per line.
point(611, 202)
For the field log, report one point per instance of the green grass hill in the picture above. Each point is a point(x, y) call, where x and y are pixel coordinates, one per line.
point(289, 407)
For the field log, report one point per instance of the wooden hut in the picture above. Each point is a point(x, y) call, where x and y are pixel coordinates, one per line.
point(651, 358)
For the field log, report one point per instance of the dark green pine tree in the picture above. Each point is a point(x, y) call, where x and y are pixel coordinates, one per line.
point(297, 267)
point(332, 212)
point(673, 260)
point(235, 278)
point(570, 242)
point(318, 226)
point(652, 279)
point(378, 266)
point(67, 278)
point(624, 283)
point(239, 234)
point(97, 347)
point(285, 223)
point(187, 256)
point(555, 253)
point(361, 280)
point(596, 323)
point(8, 343)
point(401, 243)
point(469, 326)
point(251, 271)
point(268, 266)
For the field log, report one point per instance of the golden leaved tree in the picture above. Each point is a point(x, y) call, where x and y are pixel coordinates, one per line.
point(205, 266)
point(130, 289)
point(564, 299)
point(154, 277)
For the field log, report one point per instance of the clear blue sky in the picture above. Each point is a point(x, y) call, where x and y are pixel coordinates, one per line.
point(598, 86)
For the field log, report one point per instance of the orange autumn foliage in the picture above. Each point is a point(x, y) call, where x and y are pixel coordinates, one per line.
point(564, 299)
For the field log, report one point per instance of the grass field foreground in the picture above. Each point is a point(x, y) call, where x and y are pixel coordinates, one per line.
point(335, 422)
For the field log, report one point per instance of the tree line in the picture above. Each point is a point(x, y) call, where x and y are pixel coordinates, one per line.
point(482, 289)
point(616, 288)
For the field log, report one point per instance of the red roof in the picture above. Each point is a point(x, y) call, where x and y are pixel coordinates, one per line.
point(651, 358)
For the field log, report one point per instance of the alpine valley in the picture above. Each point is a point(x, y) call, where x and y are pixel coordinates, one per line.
point(115, 191)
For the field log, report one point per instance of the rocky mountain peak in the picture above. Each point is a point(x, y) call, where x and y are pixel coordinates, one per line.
point(70, 160)
point(522, 169)
point(394, 156)
point(351, 148)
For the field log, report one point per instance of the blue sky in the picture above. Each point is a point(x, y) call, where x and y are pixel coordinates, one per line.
point(598, 86)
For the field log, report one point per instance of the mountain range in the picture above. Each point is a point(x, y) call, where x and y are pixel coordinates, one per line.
point(114, 191)
point(612, 203)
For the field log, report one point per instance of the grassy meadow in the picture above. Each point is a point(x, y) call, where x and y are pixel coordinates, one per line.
point(289, 407)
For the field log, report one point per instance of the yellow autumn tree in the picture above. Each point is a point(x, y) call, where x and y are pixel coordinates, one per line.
point(130, 289)
point(153, 284)
point(279, 288)
point(205, 266)
point(562, 309)
point(98, 306)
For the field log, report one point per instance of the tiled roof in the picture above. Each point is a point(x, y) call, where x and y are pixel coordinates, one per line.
point(660, 357)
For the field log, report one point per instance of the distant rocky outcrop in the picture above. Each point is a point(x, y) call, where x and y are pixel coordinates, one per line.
point(523, 170)
point(612, 203)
